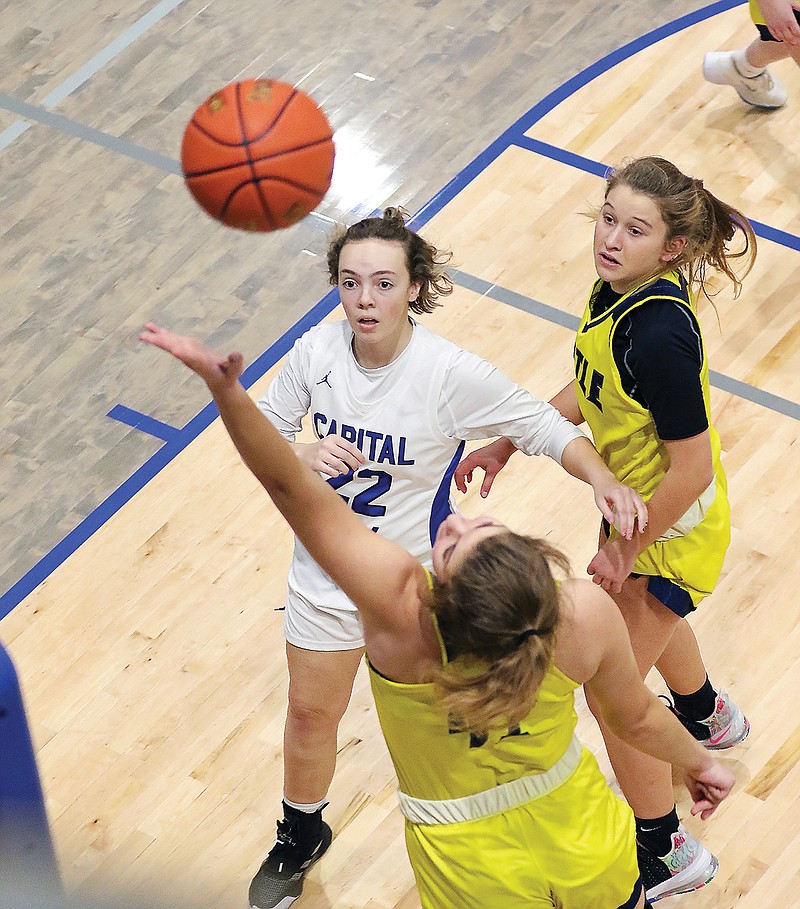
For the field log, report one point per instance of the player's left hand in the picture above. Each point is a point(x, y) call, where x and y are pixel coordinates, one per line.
point(708, 788)
point(612, 564)
point(218, 372)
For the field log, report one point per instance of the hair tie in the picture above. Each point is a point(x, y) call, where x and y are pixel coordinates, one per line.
point(521, 638)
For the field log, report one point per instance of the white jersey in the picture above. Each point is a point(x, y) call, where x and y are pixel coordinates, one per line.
point(410, 420)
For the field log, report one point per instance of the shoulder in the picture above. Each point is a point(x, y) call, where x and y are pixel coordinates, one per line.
point(661, 324)
point(591, 623)
point(438, 353)
point(328, 342)
point(425, 339)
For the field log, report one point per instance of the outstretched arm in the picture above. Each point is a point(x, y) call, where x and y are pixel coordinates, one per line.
point(620, 505)
point(375, 573)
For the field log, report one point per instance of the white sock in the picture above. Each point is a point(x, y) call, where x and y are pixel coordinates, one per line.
point(306, 809)
point(744, 66)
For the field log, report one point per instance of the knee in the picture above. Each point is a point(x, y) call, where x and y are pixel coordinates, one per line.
point(308, 717)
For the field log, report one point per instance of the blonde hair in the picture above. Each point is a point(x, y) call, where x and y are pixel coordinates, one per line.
point(689, 210)
point(425, 263)
point(499, 614)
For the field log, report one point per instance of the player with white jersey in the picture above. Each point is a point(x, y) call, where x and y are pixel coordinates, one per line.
point(411, 433)
point(391, 405)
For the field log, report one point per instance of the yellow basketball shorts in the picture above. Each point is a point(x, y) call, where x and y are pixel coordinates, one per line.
point(573, 847)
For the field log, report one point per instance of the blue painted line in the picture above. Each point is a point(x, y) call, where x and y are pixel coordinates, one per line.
point(515, 132)
point(157, 462)
point(172, 447)
point(141, 421)
point(93, 66)
point(598, 169)
point(562, 156)
point(776, 235)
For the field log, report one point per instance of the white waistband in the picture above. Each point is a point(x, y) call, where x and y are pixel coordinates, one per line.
point(492, 801)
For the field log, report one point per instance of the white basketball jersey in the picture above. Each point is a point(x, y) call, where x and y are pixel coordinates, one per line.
point(390, 414)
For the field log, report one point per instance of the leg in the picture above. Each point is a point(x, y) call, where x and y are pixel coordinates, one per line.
point(761, 53)
point(320, 685)
point(681, 664)
point(645, 781)
point(671, 860)
point(746, 71)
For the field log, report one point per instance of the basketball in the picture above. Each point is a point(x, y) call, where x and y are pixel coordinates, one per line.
point(258, 155)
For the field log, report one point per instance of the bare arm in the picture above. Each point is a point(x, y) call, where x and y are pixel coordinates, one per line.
point(598, 652)
point(690, 472)
point(566, 403)
point(381, 578)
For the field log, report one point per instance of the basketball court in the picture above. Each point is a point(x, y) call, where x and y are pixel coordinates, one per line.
point(144, 566)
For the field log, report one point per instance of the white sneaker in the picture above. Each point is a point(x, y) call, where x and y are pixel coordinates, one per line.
point(686, 867)
point(727, 726)
point(762, 90)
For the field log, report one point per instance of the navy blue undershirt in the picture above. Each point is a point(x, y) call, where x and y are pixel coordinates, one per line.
point(659, 353)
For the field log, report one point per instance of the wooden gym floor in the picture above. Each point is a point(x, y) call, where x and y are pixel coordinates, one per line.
point(142, 565)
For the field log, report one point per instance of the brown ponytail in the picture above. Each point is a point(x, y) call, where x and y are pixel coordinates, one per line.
point(501, 611)
point(689, 210)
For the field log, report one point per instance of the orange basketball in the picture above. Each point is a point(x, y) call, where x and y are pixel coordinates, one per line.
point(258, 155)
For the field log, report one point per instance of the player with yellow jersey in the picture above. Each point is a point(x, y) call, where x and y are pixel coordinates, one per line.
point(474, 676)
point(641, 383)
point(778, 24)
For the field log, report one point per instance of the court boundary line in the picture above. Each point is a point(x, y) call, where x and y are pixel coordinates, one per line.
point(92, 66)
point(170, 449)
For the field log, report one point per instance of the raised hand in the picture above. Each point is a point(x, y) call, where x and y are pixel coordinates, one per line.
point(218, 372)
point(491, 459)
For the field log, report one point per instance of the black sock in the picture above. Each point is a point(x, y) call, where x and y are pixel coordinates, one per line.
point(697, 706)
point(308, 827)
point(655, 833)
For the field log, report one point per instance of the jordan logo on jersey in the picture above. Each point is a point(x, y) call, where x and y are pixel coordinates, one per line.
point(325, 380)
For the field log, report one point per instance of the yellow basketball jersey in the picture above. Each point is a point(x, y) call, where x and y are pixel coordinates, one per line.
point(457, 764)
point(692, 551)
point(572, 846)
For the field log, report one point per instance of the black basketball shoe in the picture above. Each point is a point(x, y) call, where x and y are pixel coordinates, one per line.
point(279, 881)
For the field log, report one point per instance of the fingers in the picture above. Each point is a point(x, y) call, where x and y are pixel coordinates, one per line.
point(704, 808)
point(462, 478)
point(337, 456)
point(488, 480)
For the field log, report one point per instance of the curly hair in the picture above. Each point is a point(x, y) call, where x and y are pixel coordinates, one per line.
point(426, 264)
